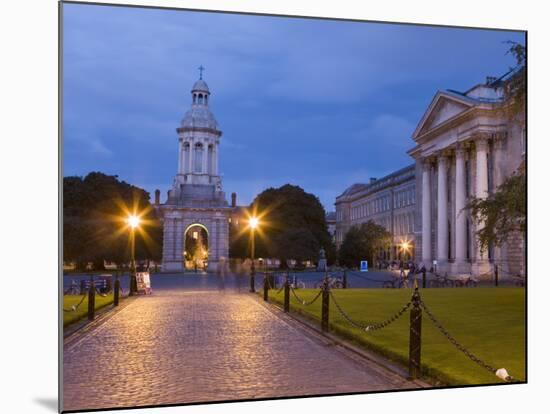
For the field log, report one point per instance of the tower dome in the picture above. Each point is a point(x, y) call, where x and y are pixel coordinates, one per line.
point(199, 116)
point(200, 86)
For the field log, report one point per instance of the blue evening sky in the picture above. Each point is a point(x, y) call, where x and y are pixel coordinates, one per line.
point(317, 103)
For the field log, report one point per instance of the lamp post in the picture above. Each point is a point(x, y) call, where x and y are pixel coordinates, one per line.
point(253, 223)
point(133, 222)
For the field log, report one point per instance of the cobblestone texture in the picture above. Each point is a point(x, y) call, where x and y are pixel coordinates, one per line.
point(181, 347)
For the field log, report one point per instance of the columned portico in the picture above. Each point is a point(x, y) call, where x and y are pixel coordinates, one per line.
point(442, 219)
point(426, 215)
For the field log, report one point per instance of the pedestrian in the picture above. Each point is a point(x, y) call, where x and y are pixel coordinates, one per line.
point(401, 268)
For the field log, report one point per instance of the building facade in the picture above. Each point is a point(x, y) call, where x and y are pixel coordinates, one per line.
point(196, 199)
point(388, 201)
point(466, 145)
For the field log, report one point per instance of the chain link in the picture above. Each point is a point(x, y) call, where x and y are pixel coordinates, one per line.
point(452, 340)
point(369, 327)
point(75, 307)
point(304, 302)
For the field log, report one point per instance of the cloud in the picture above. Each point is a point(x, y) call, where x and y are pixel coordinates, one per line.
point(392, 129)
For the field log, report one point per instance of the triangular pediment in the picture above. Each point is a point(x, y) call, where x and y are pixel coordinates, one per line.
point(444, 106)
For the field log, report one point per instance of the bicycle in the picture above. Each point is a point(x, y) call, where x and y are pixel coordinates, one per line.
point(519, 281)
point(298, 285)
point(73, 289)
point(333, 283)
point(396, 283)
point(441, 281)
point(467, 281)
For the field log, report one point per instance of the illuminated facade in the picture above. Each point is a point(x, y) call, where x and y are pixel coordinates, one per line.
point(466, 146)
point(390, 203)
point(196, 200)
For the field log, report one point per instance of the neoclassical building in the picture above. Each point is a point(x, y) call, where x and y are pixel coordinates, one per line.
point(466, 145)
point(388, 201)
point(196, 207)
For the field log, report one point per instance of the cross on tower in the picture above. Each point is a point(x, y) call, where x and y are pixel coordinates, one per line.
point(201, 68)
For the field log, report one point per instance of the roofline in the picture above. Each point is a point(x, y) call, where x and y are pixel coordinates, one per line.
point(370, 185)
point(464, 99)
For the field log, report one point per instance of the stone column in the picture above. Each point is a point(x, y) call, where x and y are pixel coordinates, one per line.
point(191, 156)
point(214, 158)
point(460, 214)
point(204, 168)
point(482, 186)
point(442, 218)
point(498, 160)
point(180, 156)
point(498, 179)
point(426, 215)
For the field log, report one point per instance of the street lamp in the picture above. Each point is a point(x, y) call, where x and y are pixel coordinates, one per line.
point(252, 223)
point(133, 222)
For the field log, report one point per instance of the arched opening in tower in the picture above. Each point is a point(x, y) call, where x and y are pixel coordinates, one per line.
point(196, 247)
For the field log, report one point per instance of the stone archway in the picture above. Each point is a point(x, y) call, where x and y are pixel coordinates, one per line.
point(196, 247)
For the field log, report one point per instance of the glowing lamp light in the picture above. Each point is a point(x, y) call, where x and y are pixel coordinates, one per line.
point(133, 221)
point(253, 222)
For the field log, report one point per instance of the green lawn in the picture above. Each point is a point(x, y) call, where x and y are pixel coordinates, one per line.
point(82, 311)
point(489, 322)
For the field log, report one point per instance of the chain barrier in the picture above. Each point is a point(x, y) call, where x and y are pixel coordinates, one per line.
point(373, 326)
point(75, 307)
point(457, 344)
point(304, 302)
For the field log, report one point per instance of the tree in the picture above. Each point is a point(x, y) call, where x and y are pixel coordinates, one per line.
point(94, 228)
point(515, 90)
point(503, 212)
point(292, 226)
point(363, 242)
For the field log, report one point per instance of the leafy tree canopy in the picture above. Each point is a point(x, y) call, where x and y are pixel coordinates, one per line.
point(503, 212)
point(362, 243)
point(94, 227)
point(293, 226)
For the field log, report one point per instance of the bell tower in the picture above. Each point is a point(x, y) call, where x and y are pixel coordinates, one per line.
point(196, 199)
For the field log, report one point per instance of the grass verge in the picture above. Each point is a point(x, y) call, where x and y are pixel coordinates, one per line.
point(82, 311)
point(489, 322)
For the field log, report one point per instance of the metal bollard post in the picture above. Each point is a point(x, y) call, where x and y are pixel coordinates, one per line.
point(287, 295)
point(117, 291)
point(266, 287)
point(496, 275)
point(345, 281)
point(91, 301)
point(324, 307)
point(424, 278)
point(415, 331)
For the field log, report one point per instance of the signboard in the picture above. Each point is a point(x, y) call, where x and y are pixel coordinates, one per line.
point(143, 282)
point(435, 262)
point(364, 266)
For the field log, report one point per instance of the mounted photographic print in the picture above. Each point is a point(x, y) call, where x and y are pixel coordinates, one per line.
point(260, 207)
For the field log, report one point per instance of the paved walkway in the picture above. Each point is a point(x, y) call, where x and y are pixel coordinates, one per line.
point(180, 347)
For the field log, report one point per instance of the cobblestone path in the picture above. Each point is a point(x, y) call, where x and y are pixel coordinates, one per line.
point(181, 347)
